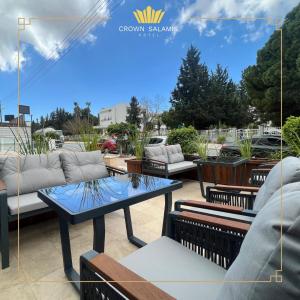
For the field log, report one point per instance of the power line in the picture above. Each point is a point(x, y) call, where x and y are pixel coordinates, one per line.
point(81, 29)
point(69, 37)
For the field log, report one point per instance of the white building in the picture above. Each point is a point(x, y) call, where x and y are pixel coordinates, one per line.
point(8, 135)
point(112, 115)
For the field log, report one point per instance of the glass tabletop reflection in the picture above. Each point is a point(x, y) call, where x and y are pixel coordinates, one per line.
point(84, 196)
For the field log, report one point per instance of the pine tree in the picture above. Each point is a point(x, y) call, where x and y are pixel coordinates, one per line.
point(228, 102)
point(134, 112)
point(190, 97)
point(263, 79)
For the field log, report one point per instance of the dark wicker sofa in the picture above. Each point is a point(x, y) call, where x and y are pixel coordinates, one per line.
point(165, 161)
point(206, 257)
point(250, 198)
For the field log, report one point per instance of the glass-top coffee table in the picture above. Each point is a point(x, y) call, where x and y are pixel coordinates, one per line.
point(76, 203)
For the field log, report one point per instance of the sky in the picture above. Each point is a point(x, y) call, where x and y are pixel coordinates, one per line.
point(105, 65)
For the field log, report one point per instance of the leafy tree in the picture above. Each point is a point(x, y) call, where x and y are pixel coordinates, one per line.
point(291, 134)
point(169, 118)
point(77, 110)
point(134, 112)
point(122, 129)
point(124, 133)
point(263, 79)
point(77, 126)
point(190, 97)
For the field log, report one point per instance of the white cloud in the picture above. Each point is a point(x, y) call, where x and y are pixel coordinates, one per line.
point(196, 12)
point(228, 38)
point(210, 33)
point(44, 36)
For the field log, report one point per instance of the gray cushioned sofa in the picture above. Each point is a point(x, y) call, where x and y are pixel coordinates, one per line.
point(21, 177)
point(165, 161)
point(205, 257)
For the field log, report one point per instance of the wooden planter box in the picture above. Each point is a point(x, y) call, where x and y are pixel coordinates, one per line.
point(134, 166)
point(224, 174)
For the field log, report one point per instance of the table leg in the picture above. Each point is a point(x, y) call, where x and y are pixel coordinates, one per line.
point(200, 178)
point(168, 207)
point(71, 274)
point(133, 239)
point(99, 234)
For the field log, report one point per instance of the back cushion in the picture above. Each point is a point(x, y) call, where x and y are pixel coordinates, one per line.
point(174, 153)
point(157, 153)
point(35, 172)
point(290, 173)
point(260, 254)
point(83, 166)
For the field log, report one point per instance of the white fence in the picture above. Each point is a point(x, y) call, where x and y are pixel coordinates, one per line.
point(233, 134)
point(7, 137)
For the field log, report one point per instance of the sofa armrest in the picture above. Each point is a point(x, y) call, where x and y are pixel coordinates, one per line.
point(113, 171)
point(238, 188)
point(118, 278)
point(158, 162)
point(213, 206)
point(155, 167)
point(216, 238)
point(222, 223)
point(231, 195)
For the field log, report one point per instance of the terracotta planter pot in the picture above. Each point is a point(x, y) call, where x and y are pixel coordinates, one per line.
point(134, 166)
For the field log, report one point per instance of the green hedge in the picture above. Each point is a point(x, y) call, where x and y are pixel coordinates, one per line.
point(186, 137)
point(291, 134)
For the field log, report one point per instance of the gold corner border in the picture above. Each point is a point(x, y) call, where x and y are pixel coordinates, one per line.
point(277, 276)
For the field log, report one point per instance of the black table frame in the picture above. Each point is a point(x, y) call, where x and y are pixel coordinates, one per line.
point(98, 216)
point(215, 162)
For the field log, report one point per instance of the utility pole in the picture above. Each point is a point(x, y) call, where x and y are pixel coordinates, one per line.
point(0, 111)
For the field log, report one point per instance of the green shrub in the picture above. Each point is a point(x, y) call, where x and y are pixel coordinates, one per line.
point(186, 137)
point(221, 139)
point(245, 147)
point(90, 141)
point(291, 134)
point(277, 154)
point(52, 135)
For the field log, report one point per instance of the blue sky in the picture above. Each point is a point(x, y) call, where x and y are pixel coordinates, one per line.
point(118, 65)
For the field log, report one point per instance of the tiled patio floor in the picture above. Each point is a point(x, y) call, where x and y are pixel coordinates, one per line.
point(41, 275)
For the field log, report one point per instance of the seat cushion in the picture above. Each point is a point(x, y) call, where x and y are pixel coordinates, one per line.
point(174, 154)
point(181, 166)
point(83, 166)
point(167, 260)
point(31, 172)
point(157, 153)
point(290, 173)
point(260, 254)
point(27, 202)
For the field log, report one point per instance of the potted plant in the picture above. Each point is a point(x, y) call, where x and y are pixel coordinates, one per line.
point(138, 141)
point(202, 147)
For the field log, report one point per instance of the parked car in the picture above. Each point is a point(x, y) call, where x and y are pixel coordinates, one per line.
point(262, 146)
point(157, 141)
point(108, 145)
point(272, 131)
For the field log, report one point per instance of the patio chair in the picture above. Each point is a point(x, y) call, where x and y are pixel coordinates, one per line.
point(253, 198)
point(206, 257)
